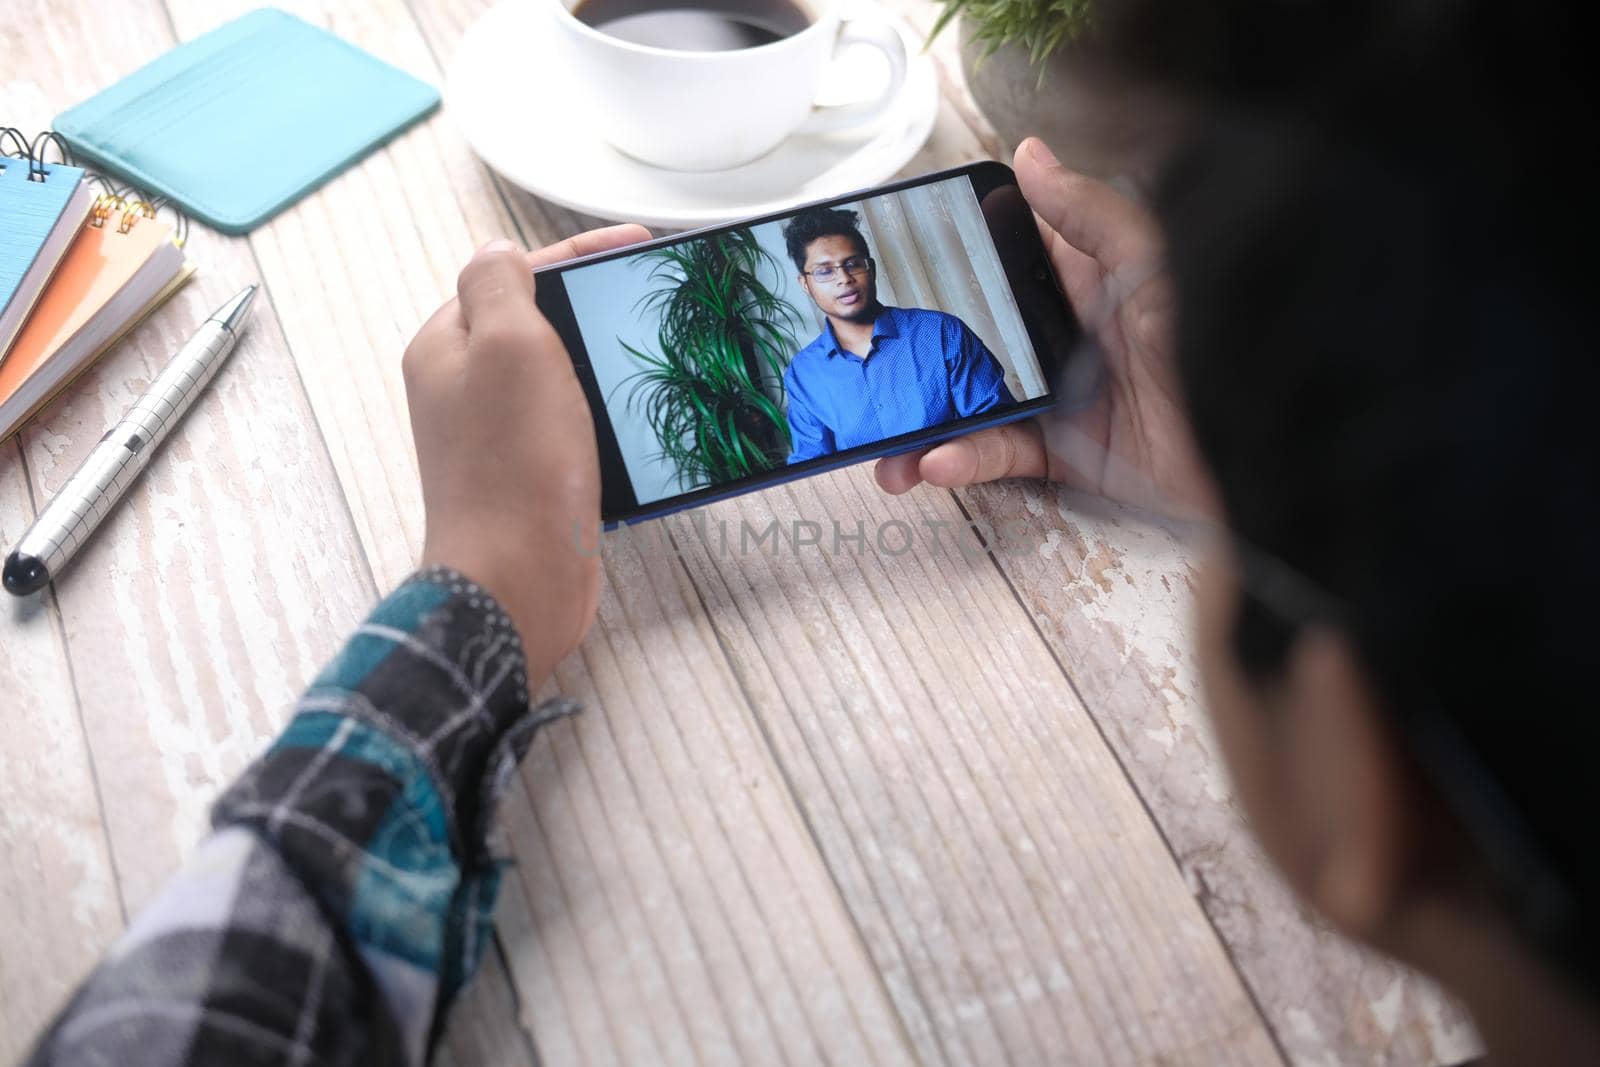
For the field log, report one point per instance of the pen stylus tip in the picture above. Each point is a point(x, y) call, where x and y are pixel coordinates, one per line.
point(233, 313)
point(24, 574)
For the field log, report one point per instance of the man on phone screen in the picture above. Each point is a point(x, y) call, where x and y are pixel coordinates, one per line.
point(874, 371)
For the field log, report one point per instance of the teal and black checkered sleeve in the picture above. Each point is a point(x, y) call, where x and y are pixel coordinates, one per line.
point(346, 894)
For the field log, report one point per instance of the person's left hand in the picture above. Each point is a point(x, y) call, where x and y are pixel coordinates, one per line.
point(506, 448)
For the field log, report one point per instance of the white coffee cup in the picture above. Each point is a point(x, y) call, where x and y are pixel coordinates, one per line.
point(714, 110)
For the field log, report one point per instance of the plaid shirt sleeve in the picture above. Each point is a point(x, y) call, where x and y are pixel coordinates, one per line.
point(345, 894)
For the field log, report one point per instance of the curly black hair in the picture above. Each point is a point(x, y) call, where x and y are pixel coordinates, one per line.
point(821, 222)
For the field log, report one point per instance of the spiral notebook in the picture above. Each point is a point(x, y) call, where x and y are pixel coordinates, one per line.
point(42, 207)
point(122, 266)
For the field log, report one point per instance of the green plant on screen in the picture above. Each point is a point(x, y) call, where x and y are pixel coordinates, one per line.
point(712, 391)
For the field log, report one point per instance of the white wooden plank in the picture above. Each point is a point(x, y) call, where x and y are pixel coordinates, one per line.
point(58, 892)
point(672, 906)
point(1018, 900)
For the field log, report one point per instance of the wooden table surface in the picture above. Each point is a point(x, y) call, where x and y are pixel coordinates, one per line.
point(855, 807)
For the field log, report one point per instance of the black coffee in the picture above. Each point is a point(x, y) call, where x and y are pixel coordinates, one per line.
point(696, 25)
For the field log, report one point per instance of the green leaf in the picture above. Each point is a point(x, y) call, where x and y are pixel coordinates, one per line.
point(721, 333)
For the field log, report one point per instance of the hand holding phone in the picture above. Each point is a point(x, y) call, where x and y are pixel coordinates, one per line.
point(1106, 251)
point(505, 446)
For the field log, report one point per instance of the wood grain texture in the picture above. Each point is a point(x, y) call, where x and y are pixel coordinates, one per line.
point(1017, 899)
point(208, 598)
point(58, 892)
point(1111, 589)
point(670, 905)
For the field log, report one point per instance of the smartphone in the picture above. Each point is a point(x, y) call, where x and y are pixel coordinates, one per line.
point(736, 357)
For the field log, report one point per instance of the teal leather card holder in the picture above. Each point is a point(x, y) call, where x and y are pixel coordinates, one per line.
point(239, 123)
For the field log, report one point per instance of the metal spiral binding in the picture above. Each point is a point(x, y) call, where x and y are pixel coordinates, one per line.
point(125, 198)
point(36, 164)
point(22, 150)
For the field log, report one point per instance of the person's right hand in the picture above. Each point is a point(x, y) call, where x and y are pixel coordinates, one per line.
point(1134, 444)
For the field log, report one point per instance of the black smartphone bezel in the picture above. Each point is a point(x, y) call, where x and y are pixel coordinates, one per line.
point(1028, 272)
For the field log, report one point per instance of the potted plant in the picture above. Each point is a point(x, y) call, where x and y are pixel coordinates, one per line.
point(1024, 62)
point(713, 391)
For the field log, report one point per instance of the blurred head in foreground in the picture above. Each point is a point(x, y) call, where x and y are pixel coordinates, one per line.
point(1386, 346)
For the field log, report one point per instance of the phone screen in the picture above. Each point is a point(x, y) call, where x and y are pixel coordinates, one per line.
point(739, 356)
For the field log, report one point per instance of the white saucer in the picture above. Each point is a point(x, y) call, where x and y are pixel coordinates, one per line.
point(515, 107)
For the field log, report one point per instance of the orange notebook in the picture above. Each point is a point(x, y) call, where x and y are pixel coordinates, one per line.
point(119, 268)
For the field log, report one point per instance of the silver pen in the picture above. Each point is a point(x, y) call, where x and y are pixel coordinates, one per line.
point(94, 488)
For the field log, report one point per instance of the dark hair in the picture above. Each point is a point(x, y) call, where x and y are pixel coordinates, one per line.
point(1386, 345)
point(820, 222)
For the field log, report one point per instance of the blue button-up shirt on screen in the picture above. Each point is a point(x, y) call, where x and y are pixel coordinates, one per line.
point(924, 368)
